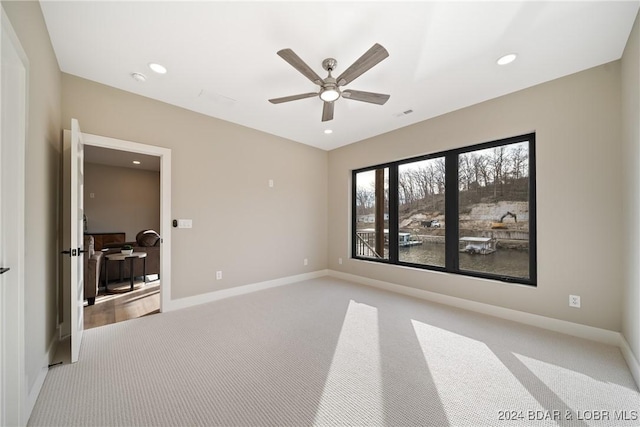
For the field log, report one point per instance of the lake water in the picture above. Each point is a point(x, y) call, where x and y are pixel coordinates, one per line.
point(507, 262)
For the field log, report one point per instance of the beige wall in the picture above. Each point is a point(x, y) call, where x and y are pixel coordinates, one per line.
point(220, 173)
point(42, 189)
point(577, 125)
point(125, 199)
point(631, 200)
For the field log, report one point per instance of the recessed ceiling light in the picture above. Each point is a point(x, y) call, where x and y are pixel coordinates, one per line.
point(139, 77)
point(507, 59)
point(328, 131)
point(158, 68)
point(137, 162)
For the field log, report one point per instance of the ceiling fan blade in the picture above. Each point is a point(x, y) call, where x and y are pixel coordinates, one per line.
point(370, 58)
point(358, 95)
point(327, 111)
point(297, 63)
point(292, 98)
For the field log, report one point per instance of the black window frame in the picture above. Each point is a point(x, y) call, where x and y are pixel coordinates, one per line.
point(451, 211)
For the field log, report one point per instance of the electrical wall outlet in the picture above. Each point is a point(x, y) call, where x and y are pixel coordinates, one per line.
point(218, 275)
point(340, 261)
point(306, 261)
point(574, 301)
point(270, 183)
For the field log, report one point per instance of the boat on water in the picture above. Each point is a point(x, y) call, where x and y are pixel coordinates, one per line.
point(477, 245)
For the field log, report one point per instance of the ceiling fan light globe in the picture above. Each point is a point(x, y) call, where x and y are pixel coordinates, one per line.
point(329, 95)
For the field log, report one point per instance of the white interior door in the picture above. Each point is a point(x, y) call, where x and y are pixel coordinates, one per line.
point(13, 90)
point(73, 231)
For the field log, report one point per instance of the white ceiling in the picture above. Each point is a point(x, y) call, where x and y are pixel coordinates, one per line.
point(222, 59)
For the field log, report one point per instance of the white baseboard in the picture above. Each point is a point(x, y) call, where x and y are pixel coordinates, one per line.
point(588, 332)
point(240, 290)
point(630, 358)
point(32, 394)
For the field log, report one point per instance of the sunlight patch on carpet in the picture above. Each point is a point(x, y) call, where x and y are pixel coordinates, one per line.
point(619, 398)
point(354, 381)
point(468, 375)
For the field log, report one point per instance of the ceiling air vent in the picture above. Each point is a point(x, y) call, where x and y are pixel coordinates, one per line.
point(216, 98)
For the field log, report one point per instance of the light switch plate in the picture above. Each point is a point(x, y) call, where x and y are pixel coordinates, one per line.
point(185, 223)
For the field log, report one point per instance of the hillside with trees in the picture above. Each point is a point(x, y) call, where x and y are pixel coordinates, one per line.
point(485, 177)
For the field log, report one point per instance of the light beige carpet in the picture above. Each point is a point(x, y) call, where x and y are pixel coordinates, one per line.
point(327, 352)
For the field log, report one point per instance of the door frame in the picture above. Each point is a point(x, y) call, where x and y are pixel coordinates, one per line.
point(13, 380)
point(165, 201)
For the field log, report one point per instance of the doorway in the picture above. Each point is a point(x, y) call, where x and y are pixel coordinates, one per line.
point(121, 206)
point(164, 155)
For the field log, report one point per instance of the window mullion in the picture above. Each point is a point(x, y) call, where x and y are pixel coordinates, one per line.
point(533, 262)
point(354, 213)
point(451, 212)
point(393, 214)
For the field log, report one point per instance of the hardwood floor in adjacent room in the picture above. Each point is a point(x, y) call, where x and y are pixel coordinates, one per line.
point(113, 308)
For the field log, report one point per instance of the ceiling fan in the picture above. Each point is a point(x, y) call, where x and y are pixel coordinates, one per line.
point(330, 87)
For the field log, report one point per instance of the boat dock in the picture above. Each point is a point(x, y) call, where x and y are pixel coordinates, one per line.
point(477, 245)
point(365, 241)
point(404, 240)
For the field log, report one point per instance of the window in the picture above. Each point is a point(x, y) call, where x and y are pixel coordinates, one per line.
point(468, 211)
point(372, 214)
point(493, 210)
point(421, 206)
